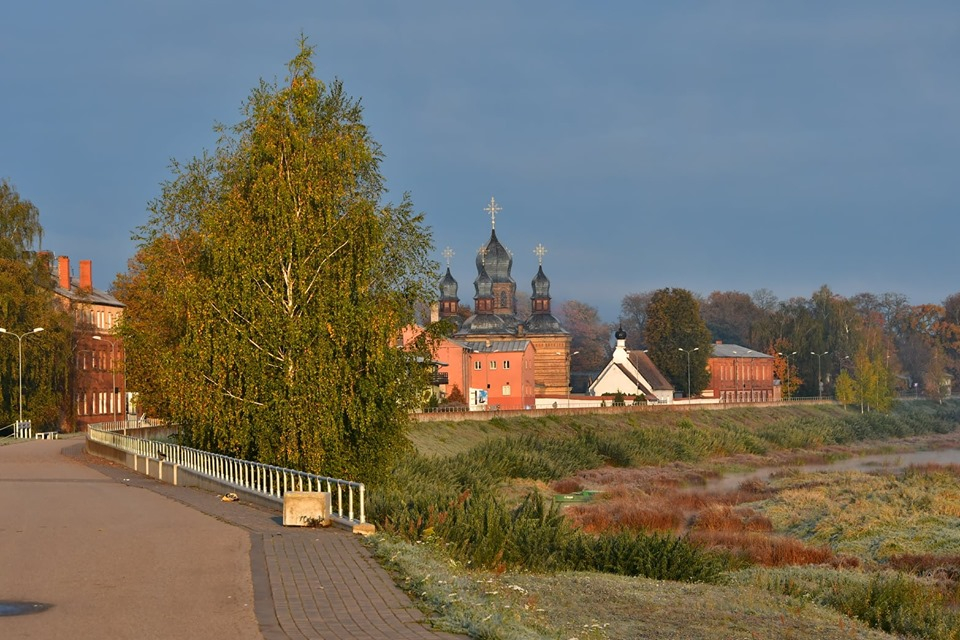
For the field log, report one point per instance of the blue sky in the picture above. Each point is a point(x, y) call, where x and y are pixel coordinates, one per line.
point(710, 146)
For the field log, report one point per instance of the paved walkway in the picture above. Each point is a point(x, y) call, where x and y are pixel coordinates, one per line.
point(302, 583)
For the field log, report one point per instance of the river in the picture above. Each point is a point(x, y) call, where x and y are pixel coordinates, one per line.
point(886, 462)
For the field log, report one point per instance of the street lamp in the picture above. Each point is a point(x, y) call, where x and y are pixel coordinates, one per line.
point(113, 368)
point(689, 394)
point(20, 338)
point(787, 381)
point(819, 377)
point(569, 380)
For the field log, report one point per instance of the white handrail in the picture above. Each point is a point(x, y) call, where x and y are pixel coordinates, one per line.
point(265, 479)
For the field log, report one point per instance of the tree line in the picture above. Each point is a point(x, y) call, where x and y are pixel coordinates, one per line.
point(864, 349)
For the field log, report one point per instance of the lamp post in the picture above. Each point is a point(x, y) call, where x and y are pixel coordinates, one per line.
point(689, 394)
point(20, 338)
point(819, 377)
point(787, 356)
point(569, 380)
point(113, 369)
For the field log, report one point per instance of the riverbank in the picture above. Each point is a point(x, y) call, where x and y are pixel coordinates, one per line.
point(655, 459)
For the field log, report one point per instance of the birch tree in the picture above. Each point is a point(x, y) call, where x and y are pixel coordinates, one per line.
point(287, 281)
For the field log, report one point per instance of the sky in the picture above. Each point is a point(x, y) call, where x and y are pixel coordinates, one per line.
point(727, 146)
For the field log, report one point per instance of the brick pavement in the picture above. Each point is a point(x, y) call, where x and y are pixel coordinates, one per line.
point(308, 583)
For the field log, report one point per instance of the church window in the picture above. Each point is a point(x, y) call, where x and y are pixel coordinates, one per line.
point(503, 298)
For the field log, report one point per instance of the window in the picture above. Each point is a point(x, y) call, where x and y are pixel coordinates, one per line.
point(477, 365)
point(493, 364)
point(506, 364)
point(506, 389)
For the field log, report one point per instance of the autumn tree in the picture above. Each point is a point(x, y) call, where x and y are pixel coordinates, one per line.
point(27, 302)
point(846, 389)
point(633, 316)
point(784, 367)
point(729, 315)
point(675, 332)
point(590, 336)
point(272, 283)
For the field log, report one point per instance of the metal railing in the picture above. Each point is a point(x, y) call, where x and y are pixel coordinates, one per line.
point(347, 497)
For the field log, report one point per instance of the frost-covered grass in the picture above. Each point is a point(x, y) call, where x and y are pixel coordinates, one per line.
point(478, 563)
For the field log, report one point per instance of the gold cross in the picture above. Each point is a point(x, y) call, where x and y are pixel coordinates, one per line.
point(448, 253)
point(493, 210)
point(540, 251)
point(482, 252)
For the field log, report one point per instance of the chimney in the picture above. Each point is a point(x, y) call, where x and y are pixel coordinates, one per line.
point(86, 275)
point(63, 271)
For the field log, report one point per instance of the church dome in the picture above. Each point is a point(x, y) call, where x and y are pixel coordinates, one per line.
point(488, 324)
point(483, 284)
point(496, 260)
point(448, 287)
point(620, 334)
point(541, 285)
point(543, 323)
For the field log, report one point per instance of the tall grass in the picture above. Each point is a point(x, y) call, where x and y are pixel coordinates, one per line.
point(458, 500)
point(890, 601)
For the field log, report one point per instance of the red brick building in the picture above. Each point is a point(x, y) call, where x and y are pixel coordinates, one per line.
point(739, 374)
point(491, 375)
point(98, 384)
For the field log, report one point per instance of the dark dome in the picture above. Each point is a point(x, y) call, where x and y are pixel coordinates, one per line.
point(448, 287)
point(488, 324)
point(540, 323)
point(541, 285)
point(497, 261)
point(620, 334)
point(483, 284)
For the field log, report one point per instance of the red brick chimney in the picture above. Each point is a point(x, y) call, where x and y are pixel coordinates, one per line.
point(86, 275)
point(63, 271)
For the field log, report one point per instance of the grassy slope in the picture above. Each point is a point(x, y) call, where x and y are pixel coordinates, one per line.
point(602, 606)
point(446, 439)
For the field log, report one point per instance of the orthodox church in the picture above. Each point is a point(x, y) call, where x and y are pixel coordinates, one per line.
point(495, 323)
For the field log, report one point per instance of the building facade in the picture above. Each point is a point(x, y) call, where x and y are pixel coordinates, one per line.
point(98, 383)
point(739, 374)
point(632, 374)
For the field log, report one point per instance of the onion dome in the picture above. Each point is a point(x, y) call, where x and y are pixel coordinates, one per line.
point(496, 260)
point(448, 287)
point(620, 334)
point(541, 285)
point(483, 284)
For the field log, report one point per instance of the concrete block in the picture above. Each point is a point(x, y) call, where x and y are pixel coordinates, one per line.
point(306, 508)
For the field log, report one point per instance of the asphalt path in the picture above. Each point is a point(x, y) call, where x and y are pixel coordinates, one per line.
point(113, 560)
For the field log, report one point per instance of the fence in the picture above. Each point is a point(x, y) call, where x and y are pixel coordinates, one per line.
point(269, 481)
point(20, 430)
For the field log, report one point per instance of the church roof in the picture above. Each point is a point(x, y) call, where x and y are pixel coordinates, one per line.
point(488, 323)
point(496, 260)
point(543, 323)
point(483, 284)
point(649, 371)
point(448, 287)
point(540, 285)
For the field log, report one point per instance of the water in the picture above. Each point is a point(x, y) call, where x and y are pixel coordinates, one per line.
point(887, 462)
point(11, 608)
